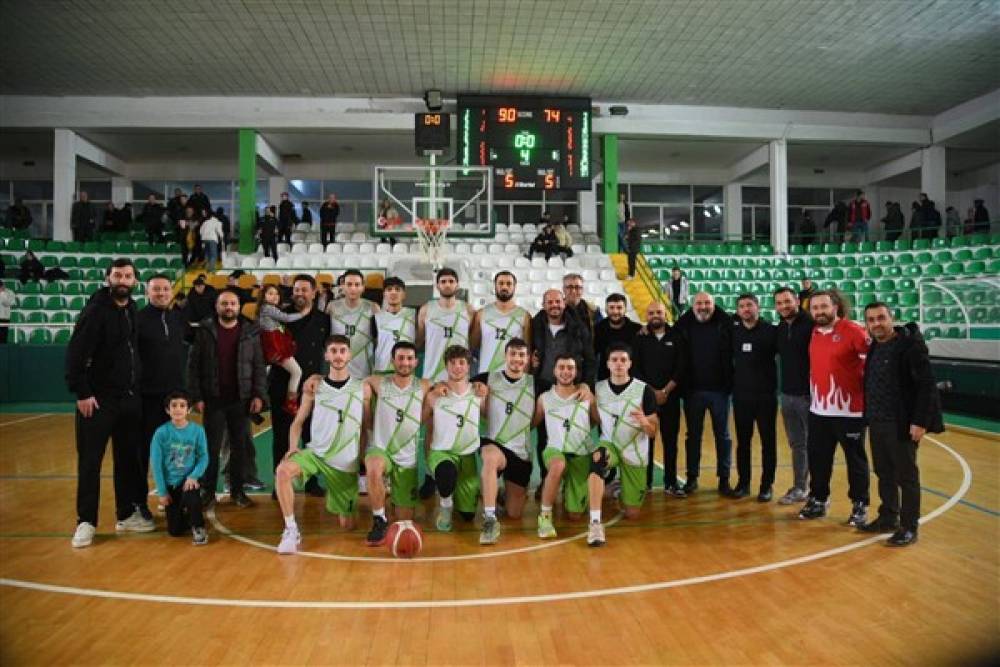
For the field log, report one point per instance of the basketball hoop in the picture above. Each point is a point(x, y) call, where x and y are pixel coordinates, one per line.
point(432, 233)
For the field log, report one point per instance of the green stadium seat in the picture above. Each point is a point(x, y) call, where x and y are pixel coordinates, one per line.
point(76, 303)
point(814, 249)
point(49, 262)
point(962, 255)
point(923, 257)
point(72, 289)
point(848, 286)
point(60, 317)
point(885, 285)
point(62, 336)
point(975, 266)
point(883, 246)
point(796, 249)
point(866, 246)
point(30, 302)
point(831, 261)
point(850, 260)
point(873, 272)
point(905, 284)
point(867, 285)
point(55, 303)
point(814, 262)
point(835, 274)
point(901, 244)
point(982, 253)
point(40, 337)
point(934, 315)
point(908, 299)
point(36, 317)
point(893, 271)
point(921, 244)
point(980, 238)
point(830, 248)
point(994, 265)
point(939, 243)
point(888, 298)
point(68, 262)
point(87, 262)
point(52, 288)
point(909, 314)
point(849, 247)
point(954, 269)
point(866, 260)
point(904, 258)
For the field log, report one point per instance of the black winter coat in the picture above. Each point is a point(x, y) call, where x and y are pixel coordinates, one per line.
point(161, 349)
point(102, 357)
point(724, 321)
point(203, 363)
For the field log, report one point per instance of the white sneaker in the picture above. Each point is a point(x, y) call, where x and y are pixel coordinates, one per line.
point(136, 523)
point(84, 535)
point(595, 534)
point(290, 541)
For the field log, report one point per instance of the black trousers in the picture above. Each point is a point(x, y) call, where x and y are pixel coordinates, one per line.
point(631, 263)
point(670, 423)
point(327, 233)
point(544, 248)
point(118, 418)
point(3, 331)
point(762, 411)
point(185, 251)
point(824, 434)
point(270, 247)
point(184, 511)
point(285, 234)
point(895, 462)
point(232, 417)
point(154, 415)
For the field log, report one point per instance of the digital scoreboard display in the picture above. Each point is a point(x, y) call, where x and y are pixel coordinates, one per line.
point(530, 143)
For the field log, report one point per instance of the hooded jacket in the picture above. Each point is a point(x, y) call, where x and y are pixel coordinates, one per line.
point(203, 363)
point(102, 358)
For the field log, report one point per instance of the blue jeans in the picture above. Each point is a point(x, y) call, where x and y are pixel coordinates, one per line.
point(211, 254)
point(717, 404)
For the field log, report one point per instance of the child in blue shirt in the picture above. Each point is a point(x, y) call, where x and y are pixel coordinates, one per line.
point(178, 457)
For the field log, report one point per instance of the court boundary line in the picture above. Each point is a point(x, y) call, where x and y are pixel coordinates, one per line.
point(28, 419)
point(524, 599)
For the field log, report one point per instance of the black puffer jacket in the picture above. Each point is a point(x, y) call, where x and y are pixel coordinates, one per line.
point(102, 358)
point(203, 363)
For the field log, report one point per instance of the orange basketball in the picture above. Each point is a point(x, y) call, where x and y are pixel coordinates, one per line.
point(404, 539)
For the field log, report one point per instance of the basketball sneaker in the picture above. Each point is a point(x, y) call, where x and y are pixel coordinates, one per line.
point(490, 533)
point(793, 496)
point(595, 534)
point(859, 514)
point(814, 509)
point(199, 536)
point(136, 523)
point(84, 535)
point(443, 521)
point(376, 536)
point(675, 491)
point(545, 528)
point(290, 540)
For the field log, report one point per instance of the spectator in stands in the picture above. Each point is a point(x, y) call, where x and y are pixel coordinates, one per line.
point(953, 223)
point(328, 213)
point(200, 301)
point(707, 331)
point(564, 241)
point(103, 371)
point(233, 284)
point(176, 205)
point(624, 213)
point(184, 226)
point(152, 215)
point(31, 268)
point(307, 214)
point(981, 217)
point(180, 302)
point(588, 314)
point(268, 228)
point(807, 228)
point(793, 336)
point(858, 214)
point(7, 299)
point(617, 327)
point(837, 219)
point(808, 289)
point(324, 295)
point(545, 243)
point(969, 224)
point(932, 218)
point(210, 232)
point(199, 201)
point(677, 290)
point(82, 218)
point(916, 221)
point(197, 217)
point(160, 333)
point(894, 223)
point(227, 381)
point(286, 219)
point(108, 221)
point(227, 230)
point(124, 218)
point(633, 244)
point(18, 215)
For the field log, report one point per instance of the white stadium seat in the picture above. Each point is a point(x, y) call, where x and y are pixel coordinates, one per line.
point(463, 249)
point(487, 261)
point(538, 289)
point(536, 275)
point(554, 275)
point(303, 227)
point(608, 274)
point(573, 263)
point(358, 237)
point(266, 263)
point(502, 227)
point(578, 249)
point(351, 249)
point(529, 228)
point(284, 248)
point(249, 262)
point(342, 237)
point(383, 248)
point(479, 249)
point(593, 249)
point(538, 262)
point(298, 237)
point(496, 249)
point(400, 249)
point(505, 262)
point(520, 262)
point(501, 237)
point(318, 261)
point(367, 248)
point(315, 248)
point(594, 289)
point(511, 249)
point(555, 262)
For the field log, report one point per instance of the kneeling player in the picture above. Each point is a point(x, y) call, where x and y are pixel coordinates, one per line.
point(566, 410)
point(392, 452)
point(626, 410)
point(338, 405)
point(452, 421)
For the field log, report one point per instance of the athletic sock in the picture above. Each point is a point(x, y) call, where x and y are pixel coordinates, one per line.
point(546, 509)
point(595, 516)
point(290, 521)
point(380, 513)
point(446, 502)
point(490, 512)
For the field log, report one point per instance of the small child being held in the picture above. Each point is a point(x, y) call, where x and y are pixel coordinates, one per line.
point(179, 456)
point(278, 344)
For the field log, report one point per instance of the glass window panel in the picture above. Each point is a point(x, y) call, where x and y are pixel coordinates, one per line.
point(301, 190)
point(762, 224)
point(662, 194)
point(844, 195)
point(747, 223)
point(526, 214)
point(707, 223)
point(186, 187)
point(217, 190)
point(501, 214)
point(809, 196)
point(560, 195)
point(707, 194)
point(362, 212)
point(97, 190)
point(676, 222)
point(142, 189)
point(33, 189)
point(647, 218)
point(752, 195)
point(349, 189)
point(558, 210)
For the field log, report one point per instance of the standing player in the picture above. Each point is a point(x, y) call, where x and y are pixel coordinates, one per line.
point(442, 323)
point(395, 324)
point(392, 451)
point(338, 406)
point(498, 323)
point(505, 449)
point(452, 421)
point(352, 317)
point(567, 419)
point(626, 410)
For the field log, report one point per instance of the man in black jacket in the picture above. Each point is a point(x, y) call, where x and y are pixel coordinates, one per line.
point(227, 380)
point(286, 219)
point(151, 217)
point(755, 401)
point(200, 301)
point(268, 226)
point(103, 370)
point(200, 202)
point(328, 213)
point(793, 336)
point(615, 328)
point(82, 218)
point(659, 362)
point(161, 331)
point(901, 405)
point(708, 381)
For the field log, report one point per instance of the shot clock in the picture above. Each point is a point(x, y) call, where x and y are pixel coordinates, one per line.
point(529, 142)
point(432, 132)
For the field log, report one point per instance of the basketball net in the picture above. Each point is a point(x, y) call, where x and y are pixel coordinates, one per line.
point(432, 233)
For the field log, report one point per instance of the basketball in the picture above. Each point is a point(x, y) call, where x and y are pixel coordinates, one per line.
point(404, 539)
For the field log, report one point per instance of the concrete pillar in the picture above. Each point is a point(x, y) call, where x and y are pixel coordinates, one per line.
point(732, 199)
point(586, 206)
point(275, 186)
point(63, 183)
point(248, 188)
point(121, 191)
point(778, 165)
point(933, 175)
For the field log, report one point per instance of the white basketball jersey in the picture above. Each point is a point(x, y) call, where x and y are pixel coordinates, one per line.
point(567, 422)
point(510, 408)
point(336, 424)
point(497, 328)
point(456, 423)
point(443, 329)
point(392, 328)
point(356, 324)
point(397, 420)
point(617, 423)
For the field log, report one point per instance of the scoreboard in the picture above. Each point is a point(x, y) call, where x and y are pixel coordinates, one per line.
point(529, 142)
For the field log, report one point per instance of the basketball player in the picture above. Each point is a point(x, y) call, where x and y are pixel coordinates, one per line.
point(567, 419)
point(499, 322)
point(392, 451)
point(626, 410)
point(395, 324)
point(352, 317)
point(339, 407)
point(452, 421)
point(442, 323)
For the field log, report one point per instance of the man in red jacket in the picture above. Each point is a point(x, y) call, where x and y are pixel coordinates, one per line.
point(858, 215)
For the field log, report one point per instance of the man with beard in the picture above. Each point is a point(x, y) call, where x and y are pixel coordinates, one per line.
point(442, 323)
point(499, 322)
point(395, 323)
point(103, 370)
point(659, 362)
point(617, 327)
point(792, 339)
point(575, 303)
point(837, 354)
point(353, 317)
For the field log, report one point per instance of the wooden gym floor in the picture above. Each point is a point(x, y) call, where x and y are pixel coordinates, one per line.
point(696, 581)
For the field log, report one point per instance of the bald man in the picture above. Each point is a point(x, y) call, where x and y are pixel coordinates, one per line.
point(707, 333)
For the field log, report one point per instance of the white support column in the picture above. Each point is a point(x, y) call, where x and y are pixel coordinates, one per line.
point(778, 158)
point(63, 183)
point(121, 191)
point(732, 198)
point(586, 207)
point(275, 186)
point(933, 175)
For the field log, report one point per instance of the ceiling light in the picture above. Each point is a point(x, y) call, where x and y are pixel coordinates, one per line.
point(706, 213)
point(684, 223)
point(717, 209)
point(675, 228)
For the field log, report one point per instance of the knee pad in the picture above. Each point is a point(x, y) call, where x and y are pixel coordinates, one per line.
point(600, 466)
point(446, 477)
